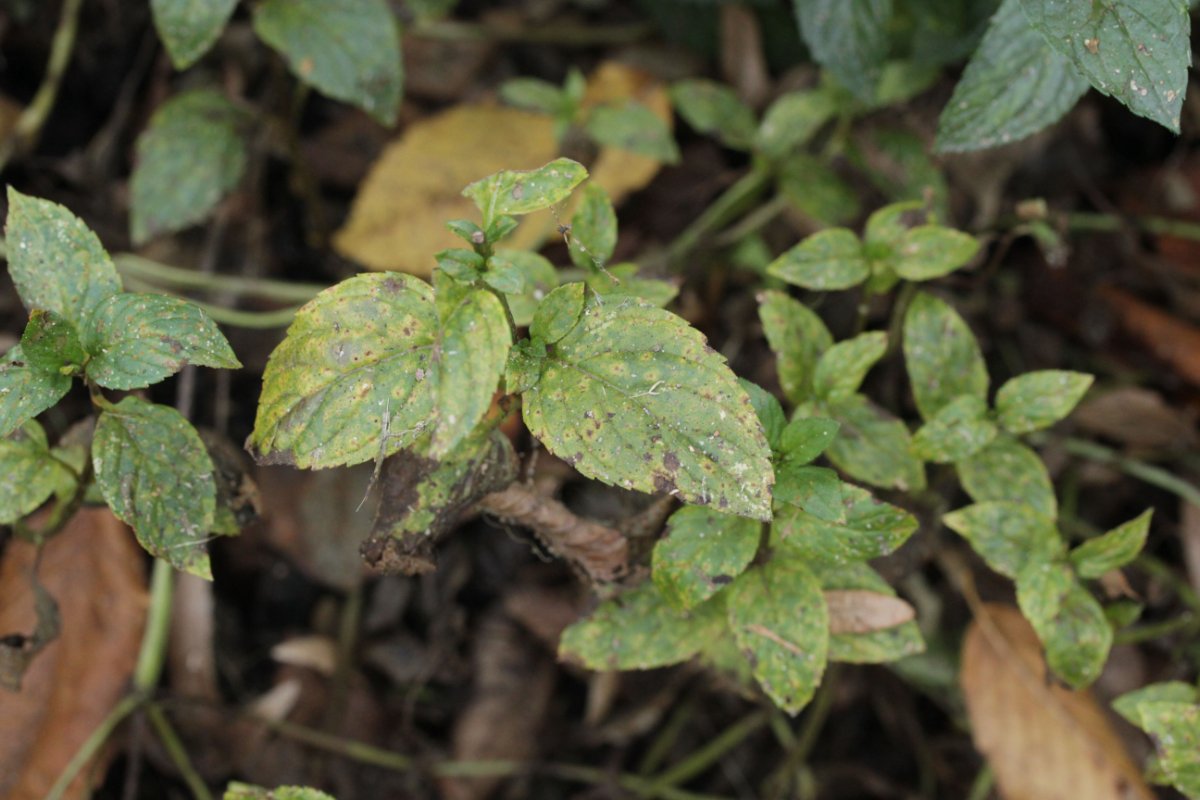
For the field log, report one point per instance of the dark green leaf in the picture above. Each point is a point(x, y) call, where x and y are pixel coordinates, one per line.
point(633, 127)
point(872, 528)
point(874, 647)
point(873, 446)
point(189, 28)
point(826, 261)
point(633, 396)
point(817, 490)
point(156, 476)
point(931, 251)
point(1114, 549)
point(348, 49)
point(792, 120)
point(778, 616)
point(50, 343)
point(850, 39)
point(640, 629)
point(56, 262)
point(468, 231)
point(28, 473)
point(816, 190)
point(523, 191)
point(798, 337)
point(841, 369)
point(1039, 399)
point(769, 411)
point(26, 391)
point(805, 438)
point(539, 276)
point(702, 552)
point(1008, 470)
point(138, 339)
point(897, 161)
point(1006, 534)
point(593, 235)
point(1014, 85)
point(713, 108)
point(1137, 51)
point(941, 355)
point(957, 431)
point(1077, 639)
point(460, 263)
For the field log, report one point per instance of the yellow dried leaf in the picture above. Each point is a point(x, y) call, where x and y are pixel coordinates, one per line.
point(1044, 742)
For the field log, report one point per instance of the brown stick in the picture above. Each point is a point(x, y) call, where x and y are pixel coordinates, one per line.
point(602, 552)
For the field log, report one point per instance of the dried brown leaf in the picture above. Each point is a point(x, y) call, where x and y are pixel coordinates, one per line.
point(1172, 340)
point(861, 611)
point(1044, 742)
point(1137, 417)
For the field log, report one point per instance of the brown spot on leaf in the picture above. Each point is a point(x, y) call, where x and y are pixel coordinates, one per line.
point(671, 462)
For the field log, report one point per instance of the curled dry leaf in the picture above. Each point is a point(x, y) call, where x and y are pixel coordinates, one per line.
point(860, 611)
point(1043, 741)
point(93, 568)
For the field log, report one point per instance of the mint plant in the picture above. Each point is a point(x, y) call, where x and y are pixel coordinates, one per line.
point(1170, 713)
point(147, 462)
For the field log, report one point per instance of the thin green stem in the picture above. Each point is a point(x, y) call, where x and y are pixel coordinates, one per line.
point(135, 266)
point(561, 34)
point(720, 212)
point(91, 746)
point(177, 752)
point(254, 320)
point(706, 756)
point(1157, 630)
point(797, 754)
point(753, 222)
point(982, 786)
point(1109, 223)
point(158, 625)
point(1148, 473)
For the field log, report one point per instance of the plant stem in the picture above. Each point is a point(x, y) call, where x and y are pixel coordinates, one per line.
point(135, 266)
point(719, 213)
point(982, 786)
point(706, 756)
point(254, 320)
point(1109, 223)
point(178, 753)
point(92, 744)
point(1148, 473)
point(562, 34)
point(1157, 630)
point(158, 625)
point(798, 753)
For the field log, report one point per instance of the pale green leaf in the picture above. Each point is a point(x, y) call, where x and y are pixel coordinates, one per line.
point(26, 391)
point(51, 344)
point(941, 355)
point(632, 127)
point(792, 120)
point(713, 108)
point(633, 396)
point(28, 472)
point(1008, 470)
point(850, 39)
point(524, 191)
point(874, 647)
point(1042, 585)
point(805, 438)
point(1175, 729)
point(189, 28)
point(244, 791)
point(872, 529)
point(1137, 51)
point(817, 490)
point(157, 476)
point(1165, 692)
point(1077, 639)
point(621, 280)
point(841, 369)
point(957, 431)
point(347, 49)
point(1039, 399)
point(539, 275)
point(188, 158)
point(1014, 85)
point(887, 227)
point(640, 629)
point(135, 340)
point(931, 251)
point(873, 446)
point(593, 235)
point(56, 262)
point(797, 336)
point(778, 616)
point(701, 552)
point(1114, 549)
point(535, 94)
point(828, 260)
point(1006, 534)
point(559, 313)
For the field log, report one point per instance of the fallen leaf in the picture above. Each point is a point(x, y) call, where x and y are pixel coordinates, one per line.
point(1044, 742)
point(860, 611)
point(1189, 532)
point(1138, 417)
point(93, 568)
point(1171, 339)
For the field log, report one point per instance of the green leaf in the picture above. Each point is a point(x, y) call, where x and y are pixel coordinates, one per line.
point(640, 629)
point(593, 234)
point(1041, 588)
point(898, 164)
point(769, 411)
point(189, 28)
point(792, 120)
point(873, 446)
point(51, 344)
point(157, 476)
point(136, 340)
point(1077, 639)
point(620, 280)
point(1137, 51)
point(797, 336)
point(805, 438)
point(941, 355)
point(817, 490)
point(189, 157)
point(957, 431)
point(539, 277)
point(848, 39)
point(1114, 549)
point(841, 369)
point(524, 191)
point(559, 313)
point(816, 190)
point(632, 127)
point(778, 616)
point(56, 262)
point(632, 396)
point(1175, 728)
point(828, 260)
point(460, 263)
point(1006, 469)
point(1006, 534)
point(874, 647)
point(26, 391)
point(1014, 85)
point(872, 528)
point(887, 227)
point(28, 473)
point(244, 791)
point(535, 95)
point(347, 49)
point(702, 552)
point(931, 251)
point(1127, 705)
point(713, 108)
point(367, 367)
point(1039, 399)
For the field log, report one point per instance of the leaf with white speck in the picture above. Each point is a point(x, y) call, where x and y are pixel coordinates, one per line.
point(1007, 469)
point(1039, 399)
point(524, 191)
point(828, 260)
point(941, 355)
point(157, 476)
point(798, 337)
point(1007, 534)
point(28, 472)
point(26, 391)
point(850, 39)
point(1114, 549)
point(189, 28)
point(872, 445)
point(872, 528)
point(701, 552)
